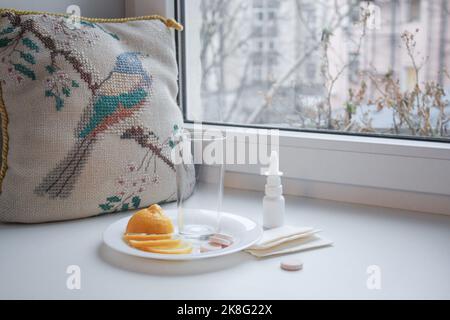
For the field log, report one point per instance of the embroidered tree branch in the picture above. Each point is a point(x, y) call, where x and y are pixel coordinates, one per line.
point(139, 135)
point(29, 26)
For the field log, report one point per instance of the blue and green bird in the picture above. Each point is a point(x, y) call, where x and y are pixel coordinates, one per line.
point(124, 91)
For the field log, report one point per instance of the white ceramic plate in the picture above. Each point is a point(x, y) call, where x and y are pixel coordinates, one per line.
point(244, 231)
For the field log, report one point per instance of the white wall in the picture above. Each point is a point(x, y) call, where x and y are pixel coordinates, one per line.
point(89, 8)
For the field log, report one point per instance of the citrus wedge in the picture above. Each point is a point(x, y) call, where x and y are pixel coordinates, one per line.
point(182, 248)
point(165, 243)
point(145, 237)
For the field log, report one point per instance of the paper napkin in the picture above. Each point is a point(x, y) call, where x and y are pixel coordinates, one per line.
point(287, 239)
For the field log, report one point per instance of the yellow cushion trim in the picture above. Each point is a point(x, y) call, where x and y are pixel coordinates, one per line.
point(4, 128)
point(170, 23)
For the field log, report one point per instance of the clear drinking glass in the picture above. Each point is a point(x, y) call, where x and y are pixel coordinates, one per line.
point(199, 215)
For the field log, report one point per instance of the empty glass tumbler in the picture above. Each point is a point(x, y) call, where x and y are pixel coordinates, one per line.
point(199, 215)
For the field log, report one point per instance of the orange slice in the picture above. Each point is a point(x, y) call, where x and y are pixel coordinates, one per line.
point(182, 248)
point(144, 237)
point(166, 243)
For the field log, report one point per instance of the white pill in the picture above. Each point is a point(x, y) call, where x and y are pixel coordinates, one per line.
point(221, 241)
point(291, 265)
point(208, 247)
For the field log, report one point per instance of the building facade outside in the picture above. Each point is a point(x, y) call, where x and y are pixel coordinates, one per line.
point(301, 63)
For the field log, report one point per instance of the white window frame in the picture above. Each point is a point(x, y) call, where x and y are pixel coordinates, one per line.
point(388, 172)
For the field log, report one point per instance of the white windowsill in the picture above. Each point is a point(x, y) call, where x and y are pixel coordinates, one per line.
point(410, 248)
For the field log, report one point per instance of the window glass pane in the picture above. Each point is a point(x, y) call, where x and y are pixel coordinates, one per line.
point(378, 67)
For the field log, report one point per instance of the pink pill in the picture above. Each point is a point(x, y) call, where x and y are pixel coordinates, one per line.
point(220, 241)
point(291, 265)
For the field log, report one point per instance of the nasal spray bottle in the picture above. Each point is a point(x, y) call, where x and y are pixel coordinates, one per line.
point(273, 202)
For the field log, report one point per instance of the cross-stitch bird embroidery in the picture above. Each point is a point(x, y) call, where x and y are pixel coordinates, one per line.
point(124, 91)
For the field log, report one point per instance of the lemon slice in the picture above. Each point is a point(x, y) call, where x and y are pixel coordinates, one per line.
point(182, 248)
point(145, 237)
point(166, 243)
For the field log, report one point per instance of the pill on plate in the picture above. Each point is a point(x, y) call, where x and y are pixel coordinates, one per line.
point(221, 241)
point(291, 265)
point(223, 236)
point(208, 247)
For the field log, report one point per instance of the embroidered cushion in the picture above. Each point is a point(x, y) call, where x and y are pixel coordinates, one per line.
point(88, 113)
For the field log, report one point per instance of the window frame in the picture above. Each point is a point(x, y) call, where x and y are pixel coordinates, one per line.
point(411, 173)
point(183, 101)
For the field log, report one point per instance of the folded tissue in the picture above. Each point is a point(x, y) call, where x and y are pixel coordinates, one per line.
point(287, 239)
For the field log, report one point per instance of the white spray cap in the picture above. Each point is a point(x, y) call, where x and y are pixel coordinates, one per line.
point(274, 165)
